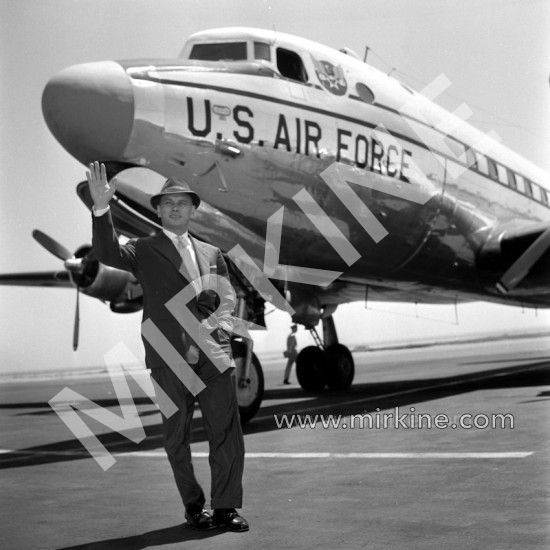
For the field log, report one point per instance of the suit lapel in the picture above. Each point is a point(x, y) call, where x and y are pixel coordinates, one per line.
point(203, 261)
point(203, 258)
point(166, 247)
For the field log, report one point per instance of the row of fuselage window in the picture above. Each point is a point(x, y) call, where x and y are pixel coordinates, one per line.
point(497, 172)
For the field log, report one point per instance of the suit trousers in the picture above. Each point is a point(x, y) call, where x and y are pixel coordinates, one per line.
point(218, 404)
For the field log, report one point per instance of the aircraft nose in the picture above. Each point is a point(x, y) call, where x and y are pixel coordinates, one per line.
point(89, 109)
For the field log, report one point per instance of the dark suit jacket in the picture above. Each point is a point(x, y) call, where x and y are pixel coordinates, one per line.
point(157, 265)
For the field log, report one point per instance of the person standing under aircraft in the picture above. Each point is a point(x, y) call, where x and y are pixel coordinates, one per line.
point(291, 353)
point(164, 264)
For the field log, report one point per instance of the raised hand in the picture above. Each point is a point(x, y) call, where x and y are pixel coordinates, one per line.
point(101, 190)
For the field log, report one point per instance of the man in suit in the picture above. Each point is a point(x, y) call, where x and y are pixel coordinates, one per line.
point(182, 362)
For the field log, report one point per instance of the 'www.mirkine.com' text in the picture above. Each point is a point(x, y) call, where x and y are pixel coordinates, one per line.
point(396, 419)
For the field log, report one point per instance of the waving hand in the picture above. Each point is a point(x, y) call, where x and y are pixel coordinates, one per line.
point(101, 190)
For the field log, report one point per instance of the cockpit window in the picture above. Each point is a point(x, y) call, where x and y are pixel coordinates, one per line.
point(262, 51)
point(219, 51)
point(290, 65)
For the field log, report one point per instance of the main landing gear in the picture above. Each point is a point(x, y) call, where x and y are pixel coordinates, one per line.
point(249, 378)
point(328, 363)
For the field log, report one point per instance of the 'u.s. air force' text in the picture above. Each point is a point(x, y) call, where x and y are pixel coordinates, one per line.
point(368, 151)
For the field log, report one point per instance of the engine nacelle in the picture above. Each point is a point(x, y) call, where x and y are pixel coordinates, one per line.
point(108, 284)
point(103, 282)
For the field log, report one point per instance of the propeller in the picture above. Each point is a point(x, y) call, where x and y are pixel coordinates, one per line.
point(51, 245)
point(72, 264)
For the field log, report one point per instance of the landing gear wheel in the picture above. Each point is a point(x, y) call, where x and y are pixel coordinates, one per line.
point(310, 368)
point(250, 391)
point(339, 367)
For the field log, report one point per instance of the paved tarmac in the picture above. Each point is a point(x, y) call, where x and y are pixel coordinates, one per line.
point(396, 486)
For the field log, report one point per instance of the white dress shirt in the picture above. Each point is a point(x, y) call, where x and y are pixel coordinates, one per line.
point(174, 238)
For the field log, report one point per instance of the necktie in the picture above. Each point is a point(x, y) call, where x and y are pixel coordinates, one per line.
point(184, 246)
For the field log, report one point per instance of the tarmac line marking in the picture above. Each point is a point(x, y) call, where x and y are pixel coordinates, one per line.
point(466, 454)
point(392, 455)
point(310, 455)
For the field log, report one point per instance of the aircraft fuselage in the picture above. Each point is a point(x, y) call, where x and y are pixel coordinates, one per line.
point(356, 172)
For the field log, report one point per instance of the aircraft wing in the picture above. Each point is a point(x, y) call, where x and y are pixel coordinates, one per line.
point(43, 278)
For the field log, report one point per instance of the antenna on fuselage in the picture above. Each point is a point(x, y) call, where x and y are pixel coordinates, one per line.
point(268, 7)
point(366, 53)
point(349, 52)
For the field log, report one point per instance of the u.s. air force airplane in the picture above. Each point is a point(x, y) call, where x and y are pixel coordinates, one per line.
point(320, 176)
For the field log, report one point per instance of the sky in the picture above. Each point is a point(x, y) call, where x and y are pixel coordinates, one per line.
point(495, 53)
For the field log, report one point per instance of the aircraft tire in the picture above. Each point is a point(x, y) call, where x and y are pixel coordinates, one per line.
point(340, 368)
point(310, 368)
point(250, 397)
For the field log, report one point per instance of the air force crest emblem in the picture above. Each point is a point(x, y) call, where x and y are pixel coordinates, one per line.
point(331, 76)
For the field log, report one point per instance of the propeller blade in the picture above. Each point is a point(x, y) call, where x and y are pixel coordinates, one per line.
point(76, 320)
point(51, 245)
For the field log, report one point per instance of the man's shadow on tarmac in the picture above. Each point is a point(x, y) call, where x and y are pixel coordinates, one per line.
point(159, 537)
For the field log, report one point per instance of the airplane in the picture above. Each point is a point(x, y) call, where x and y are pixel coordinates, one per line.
point(322, 179)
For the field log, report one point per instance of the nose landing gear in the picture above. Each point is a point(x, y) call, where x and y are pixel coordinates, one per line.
point(327, 363)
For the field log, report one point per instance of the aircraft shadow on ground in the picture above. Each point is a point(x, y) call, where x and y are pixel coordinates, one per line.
point(360, 399)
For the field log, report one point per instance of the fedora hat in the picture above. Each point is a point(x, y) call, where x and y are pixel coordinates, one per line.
point(171, 187)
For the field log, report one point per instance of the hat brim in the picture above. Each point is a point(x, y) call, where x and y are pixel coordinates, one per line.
point(156, 198)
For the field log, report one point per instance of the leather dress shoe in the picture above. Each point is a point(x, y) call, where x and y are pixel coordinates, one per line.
point(200, 519)
point(228, 517)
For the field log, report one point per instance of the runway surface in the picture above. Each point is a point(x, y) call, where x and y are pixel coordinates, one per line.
point(439, 447)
